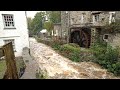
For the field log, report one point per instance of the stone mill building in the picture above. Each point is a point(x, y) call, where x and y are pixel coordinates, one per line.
point(84, 27)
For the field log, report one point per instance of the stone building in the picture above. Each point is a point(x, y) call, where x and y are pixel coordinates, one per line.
point(85, 27)
point(57, 30)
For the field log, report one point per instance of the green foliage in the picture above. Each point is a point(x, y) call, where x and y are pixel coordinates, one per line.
point(73, 53)
point(29, 20)
point(54, 16)
point(108, 57)
point(55, 44)
point(70, 48)
point(37, 22)
point(86, 54)
point(2, 68)
point(114, 27)
point(74, 45)
point(41, 74)
point(75, 56)
point(48, 26)
point(98, 48)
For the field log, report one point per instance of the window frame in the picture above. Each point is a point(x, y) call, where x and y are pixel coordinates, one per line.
point(83, 17)
point(97, 17)
point(111, 17)
point(104, 37)
point(8, 27)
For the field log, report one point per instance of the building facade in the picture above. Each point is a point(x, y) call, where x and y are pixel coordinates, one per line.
point(84, 27)
point(13, 28)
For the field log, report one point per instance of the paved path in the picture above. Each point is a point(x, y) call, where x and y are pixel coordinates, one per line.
point(59, 67)
point(31, 65)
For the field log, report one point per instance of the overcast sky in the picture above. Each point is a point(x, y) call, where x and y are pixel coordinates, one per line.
point(31, 13)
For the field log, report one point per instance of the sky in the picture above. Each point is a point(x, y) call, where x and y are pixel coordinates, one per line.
point(31, 13)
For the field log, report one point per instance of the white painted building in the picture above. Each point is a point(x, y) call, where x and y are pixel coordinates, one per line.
point(13, 27)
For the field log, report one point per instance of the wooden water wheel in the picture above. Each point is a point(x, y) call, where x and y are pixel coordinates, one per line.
point(81, 37)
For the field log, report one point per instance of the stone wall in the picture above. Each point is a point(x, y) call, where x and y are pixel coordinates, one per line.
point(115, 40)
point(64, 23)
point(103, 19)
point(57, 30)
point(75, 19)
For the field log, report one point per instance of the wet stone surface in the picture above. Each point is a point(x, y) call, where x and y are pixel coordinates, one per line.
point(59, 67)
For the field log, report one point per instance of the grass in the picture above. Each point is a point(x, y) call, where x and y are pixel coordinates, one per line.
point(41, 74)
point(19, 63)
point(2, 68)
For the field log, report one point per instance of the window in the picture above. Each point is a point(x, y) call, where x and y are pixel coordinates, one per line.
point(8, 21)
point(82, 17)
point(96, 17)
point(13, 43)
point(105, 37)
point(112, 17)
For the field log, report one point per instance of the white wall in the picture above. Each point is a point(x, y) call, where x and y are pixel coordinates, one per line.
point(20, 34)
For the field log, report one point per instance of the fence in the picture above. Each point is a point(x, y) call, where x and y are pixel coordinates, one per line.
point(11, 71)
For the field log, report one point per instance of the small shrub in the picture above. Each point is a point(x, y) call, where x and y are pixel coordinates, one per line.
point(56, 46)
point(71, 48)
point(86, 54)
point(71, 52)
point(108, 57)
point(98, 48)
point(75, 56)
point(74, 45)
point(42, 74)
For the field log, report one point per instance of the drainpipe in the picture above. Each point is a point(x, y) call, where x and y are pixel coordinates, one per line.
point(27, 27)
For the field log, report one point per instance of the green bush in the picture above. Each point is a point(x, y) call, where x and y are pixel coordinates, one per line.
point(53, 43)
point(71, 48)
point(98, 48)
point(108, 57)
point(86, 54)
point(56, 44)
point(75, 56)
point(73, 53)
point(74, 45)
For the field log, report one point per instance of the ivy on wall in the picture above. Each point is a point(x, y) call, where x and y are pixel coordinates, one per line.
point(114, 27)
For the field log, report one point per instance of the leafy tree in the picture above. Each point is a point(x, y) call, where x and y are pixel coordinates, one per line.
point(37, 22)
point(29, 20)
point(48, 26)
point(54, 16)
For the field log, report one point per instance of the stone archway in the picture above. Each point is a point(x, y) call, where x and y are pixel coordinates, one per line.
point(81, 37)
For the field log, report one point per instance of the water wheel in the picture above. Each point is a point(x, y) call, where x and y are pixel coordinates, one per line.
point(81, 38)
